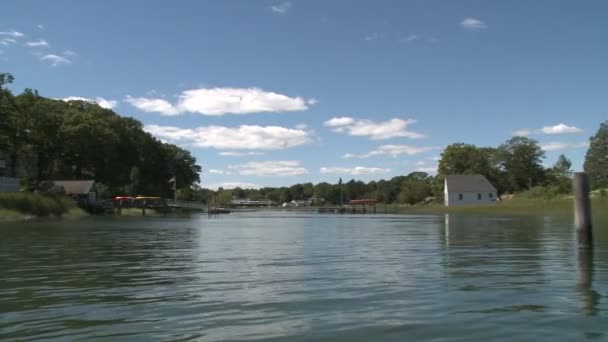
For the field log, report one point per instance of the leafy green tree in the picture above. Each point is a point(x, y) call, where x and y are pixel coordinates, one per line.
point(521, 159)
point(415, 188)
point(596, 159)
point(5, 100)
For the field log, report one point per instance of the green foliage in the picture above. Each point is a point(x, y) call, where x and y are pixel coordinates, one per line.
point(53, 139)
point(36, 204)
point(596, 159)
point(521, 159)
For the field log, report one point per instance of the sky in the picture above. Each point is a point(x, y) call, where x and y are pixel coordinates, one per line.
point(272, 93)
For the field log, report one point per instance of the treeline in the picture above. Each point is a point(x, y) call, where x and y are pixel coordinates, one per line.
point(45, 139)
point(513, 167)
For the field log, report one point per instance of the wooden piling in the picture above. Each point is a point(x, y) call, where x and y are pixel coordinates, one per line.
point(143, 208)
point(582, 210)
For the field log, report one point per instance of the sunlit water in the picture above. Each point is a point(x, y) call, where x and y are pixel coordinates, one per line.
point(299, 276)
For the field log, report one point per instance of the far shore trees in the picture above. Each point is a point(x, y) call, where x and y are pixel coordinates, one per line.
point(46, 139)
point(596, 159)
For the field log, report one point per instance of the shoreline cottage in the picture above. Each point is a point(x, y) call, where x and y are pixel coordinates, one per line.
point(468, 190)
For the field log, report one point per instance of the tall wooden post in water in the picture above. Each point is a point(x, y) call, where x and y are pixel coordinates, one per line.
point(582, 210)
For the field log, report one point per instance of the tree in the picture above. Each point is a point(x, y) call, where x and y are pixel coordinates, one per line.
point(415, 188)
point(5, 100)
point(562, 166)
point(521, 159)
point(596, 159)
point(459, 158)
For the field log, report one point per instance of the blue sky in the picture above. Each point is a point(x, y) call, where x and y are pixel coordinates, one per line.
point(279, 92)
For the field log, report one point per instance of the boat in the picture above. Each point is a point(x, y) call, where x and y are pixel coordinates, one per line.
point(213, 211)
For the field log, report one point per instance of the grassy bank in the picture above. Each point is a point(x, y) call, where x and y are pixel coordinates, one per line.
point(516, 206)
point(18, 205)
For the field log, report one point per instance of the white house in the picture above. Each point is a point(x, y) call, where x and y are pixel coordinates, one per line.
point(468, 190)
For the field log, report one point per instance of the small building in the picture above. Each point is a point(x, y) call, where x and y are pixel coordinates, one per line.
point(468, 190)
point(83, 191)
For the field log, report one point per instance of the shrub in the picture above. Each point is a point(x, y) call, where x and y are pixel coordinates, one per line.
point(36, 204)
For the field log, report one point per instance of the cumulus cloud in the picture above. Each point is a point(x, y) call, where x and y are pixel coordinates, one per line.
point(358, 170)
point(152, 105)
point(373, 130)
point(38, 43)
point(270, 168)
point(551, 130)
point(244, 137)
point(104, 103)
point(238, 154)
point(216, 171)
point(558, 145)
point(220, 101)
point(55, 60)
point(472, 24)
point(392, 151)
point(281, 8)
point(12, 33)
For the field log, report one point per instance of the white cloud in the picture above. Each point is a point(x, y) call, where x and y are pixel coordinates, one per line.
point(427, 169)
point(38, 43)
point(70, 53)
point(373, 130)
point(281, 8)
point(560, 129)
point(371, 36)
point(220, 101)
point(342, 121)
point(216, 171)
point(244, 137)
point(152, 105)
point(55, 60)
point(104, 103)
point(358, 170)
point(392, 151)
point(12, 33)
point(410, 38)
point(233, 185)
point(472, 24)
point(557, 145)
point(7, 41)
point(270, 168)
point(40, 26)
point(522, 132)
point(238, 154)
point(552, 130)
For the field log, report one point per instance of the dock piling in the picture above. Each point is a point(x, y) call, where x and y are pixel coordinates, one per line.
point(582, 210)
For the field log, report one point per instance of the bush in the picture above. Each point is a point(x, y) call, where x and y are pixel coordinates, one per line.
point(542, 192)
point(36, 204)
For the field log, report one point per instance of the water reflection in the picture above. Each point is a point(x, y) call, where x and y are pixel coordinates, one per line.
point(590, 298)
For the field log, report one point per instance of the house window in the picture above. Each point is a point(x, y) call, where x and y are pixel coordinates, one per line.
point(479, 197)
point(460, 197)
point(490, 195)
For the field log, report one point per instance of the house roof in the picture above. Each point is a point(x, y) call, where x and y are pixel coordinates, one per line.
point(76, 187)
point(469, 183)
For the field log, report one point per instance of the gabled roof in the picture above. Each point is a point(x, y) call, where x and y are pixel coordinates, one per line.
point(468, 183)
point(76, 187)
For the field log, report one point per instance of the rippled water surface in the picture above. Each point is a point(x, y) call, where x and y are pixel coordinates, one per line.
point(302, 277)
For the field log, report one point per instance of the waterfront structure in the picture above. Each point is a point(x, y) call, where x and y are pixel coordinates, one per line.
point(468, 190)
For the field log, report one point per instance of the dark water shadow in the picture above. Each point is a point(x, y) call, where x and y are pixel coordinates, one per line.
point(590, 298)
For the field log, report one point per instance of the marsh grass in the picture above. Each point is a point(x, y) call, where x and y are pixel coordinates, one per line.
point(35, 204)
point(517, 206)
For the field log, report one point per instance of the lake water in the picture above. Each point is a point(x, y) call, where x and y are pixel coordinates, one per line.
point(302, 277)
